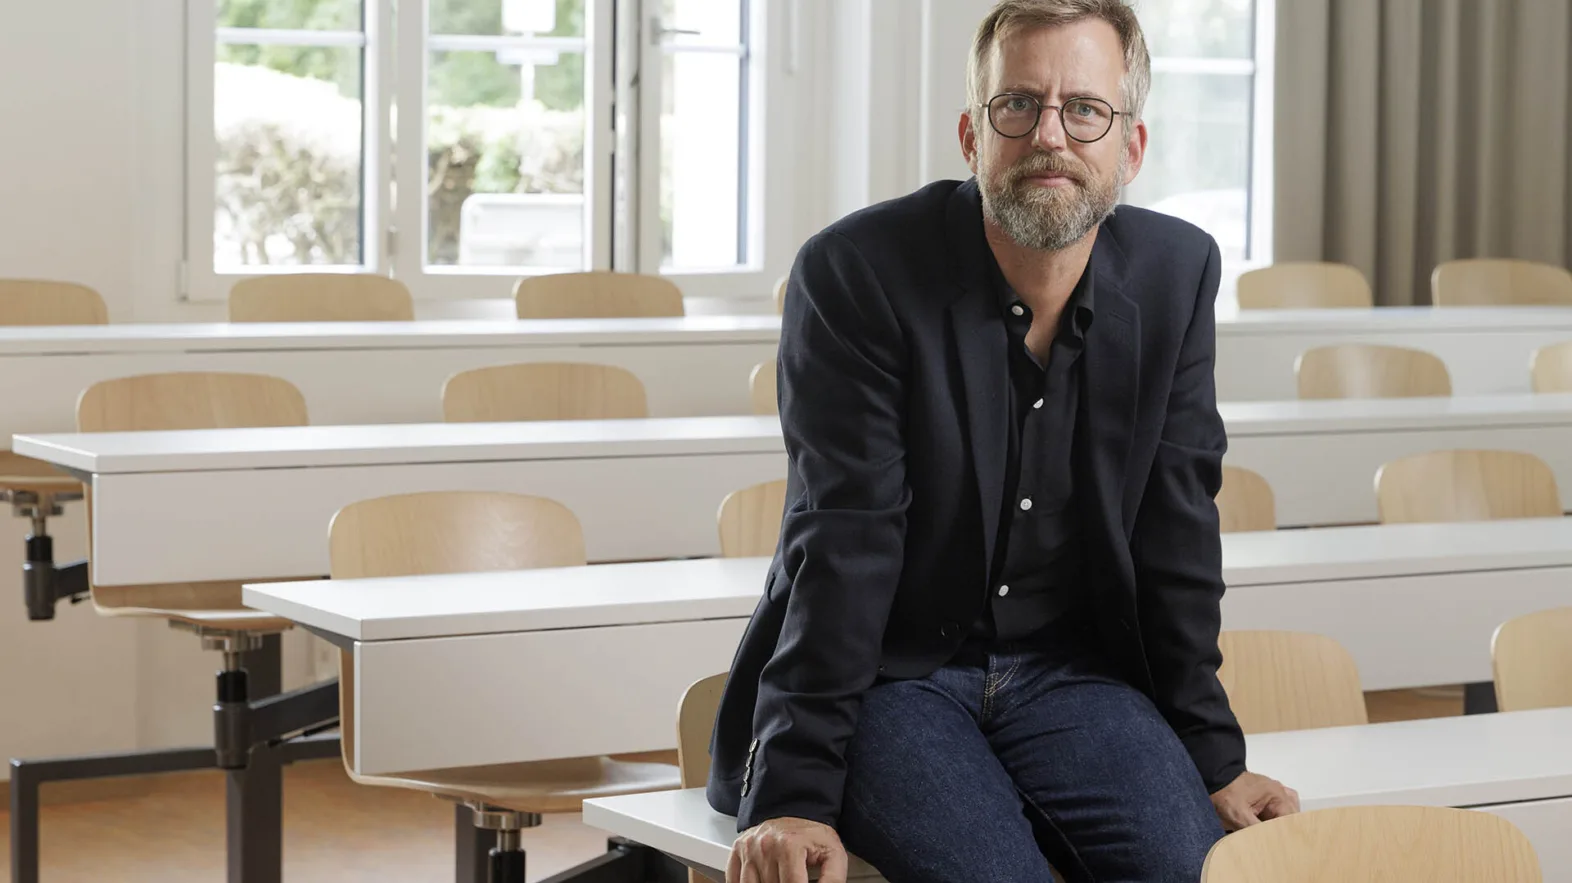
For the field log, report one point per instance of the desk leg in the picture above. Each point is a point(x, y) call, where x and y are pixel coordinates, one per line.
point(254, 824)
point(1479, 698)
point(471, 846)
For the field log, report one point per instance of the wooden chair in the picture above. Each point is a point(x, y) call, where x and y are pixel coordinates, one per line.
point(1532, 660)
point(467, 532)
point(1245, 502)
point(695, 722)
point(1550, 368)
point(45, 302)
point(1365, 843)
point(543, 391)
point(35, 487)
point(1279, 680)
point(1370, 371)
point(189, 400)
point(1466, 485)
point(761, 389)
point(780, 295)
point(750, 520)
point(1304, 285)
point(1496, 282)
point(596, 295)
point(320, 297)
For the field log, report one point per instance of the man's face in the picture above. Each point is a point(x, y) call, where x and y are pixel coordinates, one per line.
point(1046, 190)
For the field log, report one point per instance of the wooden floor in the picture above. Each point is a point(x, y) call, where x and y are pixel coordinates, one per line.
point(339, 832)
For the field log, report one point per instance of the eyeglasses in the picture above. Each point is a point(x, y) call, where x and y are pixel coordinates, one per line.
point(1015, 115)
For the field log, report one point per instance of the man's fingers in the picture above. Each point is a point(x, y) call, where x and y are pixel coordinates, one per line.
point(791, 863)
point(734, 864)
point(832, 869)
point(1283, 803)
point(754, 866)
point(1238, 815)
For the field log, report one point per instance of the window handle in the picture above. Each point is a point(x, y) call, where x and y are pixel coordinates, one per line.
point(659, 33)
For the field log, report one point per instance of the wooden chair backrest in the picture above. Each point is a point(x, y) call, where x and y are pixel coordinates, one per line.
point(780, 295)
point(761, 389)
point(1370, 371)
point(1278, 680)
point(750, 520)
point(1499, 282)
point(1300, 285)
point(1245, 502)
point(1431, 843)
point(596, 295)
point(320, 297)
point(1550, 369)
point(1466, 485)
point(46, 302)
point(1532, 658)
point(543, 391)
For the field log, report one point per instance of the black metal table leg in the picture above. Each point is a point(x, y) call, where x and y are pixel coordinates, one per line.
point(471, 847)
point(24, 825)
point(254, 796)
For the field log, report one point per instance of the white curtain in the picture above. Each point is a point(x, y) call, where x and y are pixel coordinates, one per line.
point(1409, 132)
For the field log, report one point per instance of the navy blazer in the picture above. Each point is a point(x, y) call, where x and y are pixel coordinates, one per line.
point(893, 386)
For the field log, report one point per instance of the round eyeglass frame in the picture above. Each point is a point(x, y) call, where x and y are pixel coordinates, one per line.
point(1037, 120)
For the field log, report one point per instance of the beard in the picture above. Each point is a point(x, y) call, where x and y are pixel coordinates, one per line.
point(1048, 218)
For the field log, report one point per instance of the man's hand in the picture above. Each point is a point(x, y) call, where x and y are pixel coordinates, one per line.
point(1252, 798)
point(782, 851)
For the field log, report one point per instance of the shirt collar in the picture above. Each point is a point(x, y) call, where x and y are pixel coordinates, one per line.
point(1078, 310)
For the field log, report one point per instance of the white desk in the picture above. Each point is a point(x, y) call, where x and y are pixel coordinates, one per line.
point(1486, 349)
point(1321, 457)
point(256, 503)
point(1415, 604)
point(1514, 765)
point(536, 665)
point(383, 372)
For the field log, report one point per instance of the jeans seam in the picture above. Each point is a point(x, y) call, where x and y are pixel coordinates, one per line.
point(1059, 830)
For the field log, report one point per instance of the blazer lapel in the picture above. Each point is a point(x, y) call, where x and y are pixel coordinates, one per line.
point(980, 343)
point(1109, 395)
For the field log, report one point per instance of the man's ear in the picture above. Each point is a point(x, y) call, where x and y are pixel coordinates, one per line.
point(1135, 152)
point(968, 135)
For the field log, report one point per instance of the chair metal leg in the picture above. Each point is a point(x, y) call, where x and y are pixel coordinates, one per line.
point(254, 819)
point(471, 847)
point(28, 775)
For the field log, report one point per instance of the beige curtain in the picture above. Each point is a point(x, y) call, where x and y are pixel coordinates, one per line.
point(1409, 132)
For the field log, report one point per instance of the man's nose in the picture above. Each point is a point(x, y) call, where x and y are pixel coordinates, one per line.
point(1049, 134)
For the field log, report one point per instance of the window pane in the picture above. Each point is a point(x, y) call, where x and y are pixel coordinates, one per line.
point(288, 126)
point(505, 150)
point(1198, 160)
point(316, 15)
point(718, 22)
point(701, 151)
point(1199, 28)
point(547, 18)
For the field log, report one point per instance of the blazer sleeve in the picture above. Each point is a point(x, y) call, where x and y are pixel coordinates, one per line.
point(1177, 549)
point(840, 383)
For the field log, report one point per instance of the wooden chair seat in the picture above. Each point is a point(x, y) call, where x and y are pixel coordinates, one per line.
point(552, 786)
point(214, 605)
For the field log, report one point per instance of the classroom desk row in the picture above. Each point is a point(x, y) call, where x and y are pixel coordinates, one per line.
point(1413, 603)
point(383, 372)
point(253, 503)
point(691, 366)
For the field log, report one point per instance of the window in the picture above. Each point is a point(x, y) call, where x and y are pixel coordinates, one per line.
point(490, 139)
point(1209, 113)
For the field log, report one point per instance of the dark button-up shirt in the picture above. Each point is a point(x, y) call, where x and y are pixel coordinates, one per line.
point(1036, 571)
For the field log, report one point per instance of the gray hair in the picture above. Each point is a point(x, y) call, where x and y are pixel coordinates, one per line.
point(1009, 16)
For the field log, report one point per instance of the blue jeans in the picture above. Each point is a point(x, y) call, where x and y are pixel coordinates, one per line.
point(1011, 759)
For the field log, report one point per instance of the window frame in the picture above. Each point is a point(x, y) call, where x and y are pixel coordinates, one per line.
point(618, 146)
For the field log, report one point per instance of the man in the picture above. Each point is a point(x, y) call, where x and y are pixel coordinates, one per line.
point(988, 643)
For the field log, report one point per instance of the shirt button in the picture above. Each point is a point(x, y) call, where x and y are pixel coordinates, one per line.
point(1017, 310)
point(1026, 504)
point(1038, 403)
point(1004, 590)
